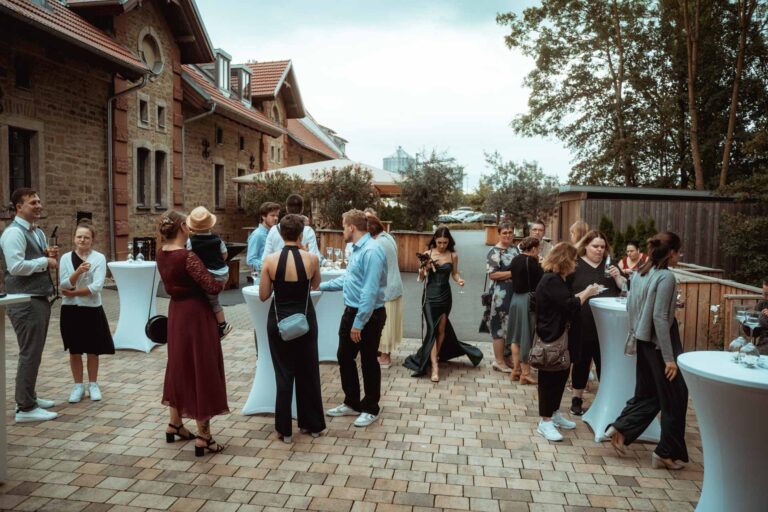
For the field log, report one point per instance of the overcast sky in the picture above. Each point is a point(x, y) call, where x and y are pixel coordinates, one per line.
point(421, 74)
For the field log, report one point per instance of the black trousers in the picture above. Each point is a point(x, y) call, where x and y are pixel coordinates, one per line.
point(588, 351)
point(551, 388)
point(654, 393)
point(368, 347)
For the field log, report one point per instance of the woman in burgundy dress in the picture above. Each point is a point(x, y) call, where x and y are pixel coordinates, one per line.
point(194, 378)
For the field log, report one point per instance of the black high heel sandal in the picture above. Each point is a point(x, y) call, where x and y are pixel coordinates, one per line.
point(200, 450)
point(171, 436)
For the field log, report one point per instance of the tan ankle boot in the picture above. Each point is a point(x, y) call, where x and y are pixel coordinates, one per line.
point(525, 377)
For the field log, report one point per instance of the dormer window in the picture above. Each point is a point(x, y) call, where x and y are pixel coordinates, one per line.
point(223, 60)
point(241, 83)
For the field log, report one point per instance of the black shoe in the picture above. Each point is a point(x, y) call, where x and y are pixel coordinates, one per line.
point(224, 329)
point(576, 406)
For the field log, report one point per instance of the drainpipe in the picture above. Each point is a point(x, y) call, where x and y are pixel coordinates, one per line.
point(183, 143)
point(110, 191)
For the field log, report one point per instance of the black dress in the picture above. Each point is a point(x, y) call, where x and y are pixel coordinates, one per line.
point(437, 303)
point(85, 329)
point(295, 360)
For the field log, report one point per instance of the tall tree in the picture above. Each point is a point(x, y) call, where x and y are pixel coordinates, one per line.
point(431, 185)
point(690, 27)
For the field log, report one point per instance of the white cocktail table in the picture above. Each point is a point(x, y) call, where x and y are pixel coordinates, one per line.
point(137, 284)
point(731, 405)
point(617, 379)
point(329, 313)
point(12, 298)
point(261, 399)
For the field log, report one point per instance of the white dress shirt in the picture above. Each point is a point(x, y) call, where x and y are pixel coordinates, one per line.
point(14, 245)
point(275, 241)
point(93, 279)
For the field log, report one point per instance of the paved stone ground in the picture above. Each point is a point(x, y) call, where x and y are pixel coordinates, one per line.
point(467, 443)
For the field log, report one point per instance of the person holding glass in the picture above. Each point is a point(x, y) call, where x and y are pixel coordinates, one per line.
point(84, 326)
point(441, 263)
point(526, 274)
point(498, 262)
point(660, 386)
point(592, 266)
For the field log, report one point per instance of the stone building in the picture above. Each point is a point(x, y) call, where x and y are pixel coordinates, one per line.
point(118, 110)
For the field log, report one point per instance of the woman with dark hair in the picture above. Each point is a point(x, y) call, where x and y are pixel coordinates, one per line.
point(526, 274)
point(289, 274)
point(556, 307)
point(634, 258)
point(440, 264)
point(660, 386)
point(498, 262)
point(590, 268)
point(195, 386)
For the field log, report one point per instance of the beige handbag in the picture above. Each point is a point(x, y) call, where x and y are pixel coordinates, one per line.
point(550, 357)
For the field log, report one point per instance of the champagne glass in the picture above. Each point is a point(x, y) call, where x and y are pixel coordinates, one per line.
point(140, 255)
point(607, 266)
point(752, 322)
point(329, 256)
point(337, 253)
point(624, 292)
point(129, 259)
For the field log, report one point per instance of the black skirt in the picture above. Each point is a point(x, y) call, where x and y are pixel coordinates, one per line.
point(85, 330)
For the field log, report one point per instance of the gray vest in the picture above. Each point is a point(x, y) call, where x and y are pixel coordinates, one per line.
point(38, 283)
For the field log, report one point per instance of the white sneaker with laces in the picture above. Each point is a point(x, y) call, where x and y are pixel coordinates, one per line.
point(45, 404)
point(342, 410)
point(36, 414)
point(562, 422)
point(78, 390)
point(365, 419)
point(549, 431)
point(94, 391)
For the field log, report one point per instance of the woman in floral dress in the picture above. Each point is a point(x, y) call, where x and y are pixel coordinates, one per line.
point(499, 260)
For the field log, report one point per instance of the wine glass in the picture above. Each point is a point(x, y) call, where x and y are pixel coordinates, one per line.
point(129, 259)
point(751, 323)
point(337, 253)
point(140, 255)
point(624, 292)
point(750, 356)
point(735, 348)
point(329, 255)
point(607, 266)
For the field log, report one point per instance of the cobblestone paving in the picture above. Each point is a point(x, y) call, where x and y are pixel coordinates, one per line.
point(466, 443)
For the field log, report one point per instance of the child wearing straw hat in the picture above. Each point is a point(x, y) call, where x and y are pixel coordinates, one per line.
point(212, 251)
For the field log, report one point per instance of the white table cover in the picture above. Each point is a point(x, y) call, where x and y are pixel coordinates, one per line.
point(731, 404)
point(138, 300)
point(617, 379)
point(261, 399)
point(12, 298)
point(329, 312)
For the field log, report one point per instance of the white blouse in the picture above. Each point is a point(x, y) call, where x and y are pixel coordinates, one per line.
point(93, 279)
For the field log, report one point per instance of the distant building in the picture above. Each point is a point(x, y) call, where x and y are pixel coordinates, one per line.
point(399, 161)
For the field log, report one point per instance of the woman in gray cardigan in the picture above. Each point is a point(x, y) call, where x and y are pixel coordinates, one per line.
point(660, 386)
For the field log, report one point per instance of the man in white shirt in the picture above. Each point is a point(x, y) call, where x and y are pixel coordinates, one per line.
point(27, 261)
point(275, 243)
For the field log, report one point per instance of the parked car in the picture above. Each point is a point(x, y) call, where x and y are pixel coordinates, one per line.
point(473, 217)
point(462, 215)
point(447, 219)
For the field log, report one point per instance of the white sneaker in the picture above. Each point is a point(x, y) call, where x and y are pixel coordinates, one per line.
point(365, 419)
point(77, 393)
point(561, 421)
point(45, 404)
point(94, 391)
point(36, 414)
point(342, 410)
point(548, 431)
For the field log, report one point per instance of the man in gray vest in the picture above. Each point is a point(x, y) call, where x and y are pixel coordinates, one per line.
point(27, 263)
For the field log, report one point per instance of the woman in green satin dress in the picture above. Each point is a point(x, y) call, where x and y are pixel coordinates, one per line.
point(440, 342)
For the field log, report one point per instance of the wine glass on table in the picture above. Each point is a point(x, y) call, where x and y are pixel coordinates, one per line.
point(749, 353)
point(607, 266)
point(329, 256)
point(140, 255)
point(337, 253)
point(129, 259)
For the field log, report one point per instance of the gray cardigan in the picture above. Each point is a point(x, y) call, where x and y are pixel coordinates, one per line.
point(651, 309)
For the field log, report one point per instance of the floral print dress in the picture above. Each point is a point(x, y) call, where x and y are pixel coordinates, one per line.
point(499, 260)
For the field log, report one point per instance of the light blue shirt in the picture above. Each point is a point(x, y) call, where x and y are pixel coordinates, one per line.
point(14, 245)
point(365, 281)
point(256, 243)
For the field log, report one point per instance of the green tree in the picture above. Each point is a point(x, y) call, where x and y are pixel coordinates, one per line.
point(476, 199)
point(339, 190)
point(431, 185)
point(274, 187)
point(744, 239)
point(606, 227)
point(521, 191)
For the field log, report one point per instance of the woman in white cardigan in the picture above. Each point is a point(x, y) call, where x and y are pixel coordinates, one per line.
point(84, 326)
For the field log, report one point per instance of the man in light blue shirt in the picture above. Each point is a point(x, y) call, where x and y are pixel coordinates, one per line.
point(268, 213)
point(364, 316)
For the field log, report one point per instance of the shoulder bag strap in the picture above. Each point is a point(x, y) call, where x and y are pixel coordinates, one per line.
point(152, 291)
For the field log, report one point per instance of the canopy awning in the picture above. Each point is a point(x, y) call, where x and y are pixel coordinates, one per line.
point(385, 182)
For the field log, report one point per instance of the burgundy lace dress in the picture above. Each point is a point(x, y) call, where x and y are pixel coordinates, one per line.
point(194, 377)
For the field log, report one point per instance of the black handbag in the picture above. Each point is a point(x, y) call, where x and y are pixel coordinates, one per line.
point(485, 300)
point(486, 297)
point(156, 328)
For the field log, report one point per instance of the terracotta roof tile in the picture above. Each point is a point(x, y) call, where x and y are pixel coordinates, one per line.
point(301, 134)
point(67, 25)
point(231, 105)
point(266, 76)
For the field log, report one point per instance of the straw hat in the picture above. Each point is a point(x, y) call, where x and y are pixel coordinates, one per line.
point(200, 219)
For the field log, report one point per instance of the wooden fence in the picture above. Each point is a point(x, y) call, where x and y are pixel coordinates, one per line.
point(408, 244)
point(703, 326)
